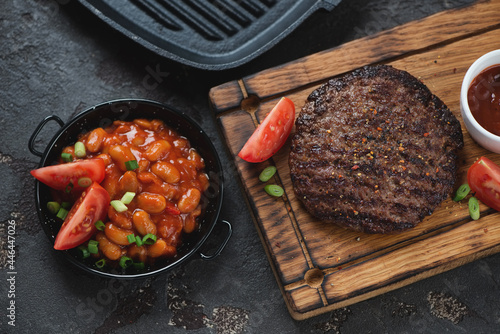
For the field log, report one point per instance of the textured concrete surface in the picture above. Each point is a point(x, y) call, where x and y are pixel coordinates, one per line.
point(57, 58)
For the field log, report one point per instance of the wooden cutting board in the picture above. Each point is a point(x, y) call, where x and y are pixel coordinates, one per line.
point(320, 267)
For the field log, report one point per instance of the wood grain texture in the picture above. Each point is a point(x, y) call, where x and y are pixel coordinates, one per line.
point(319, 266)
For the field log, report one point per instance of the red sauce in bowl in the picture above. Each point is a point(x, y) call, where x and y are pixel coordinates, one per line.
point(484, 99)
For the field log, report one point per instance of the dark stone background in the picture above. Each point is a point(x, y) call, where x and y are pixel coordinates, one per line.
point(60, 59)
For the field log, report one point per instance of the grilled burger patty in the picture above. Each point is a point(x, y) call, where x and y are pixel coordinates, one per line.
point(374, 151)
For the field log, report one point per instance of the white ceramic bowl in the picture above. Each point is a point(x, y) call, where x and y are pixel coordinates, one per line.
point(483, 137)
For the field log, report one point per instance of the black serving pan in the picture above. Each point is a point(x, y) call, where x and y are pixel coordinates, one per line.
point(208, 34)
point(103, 115)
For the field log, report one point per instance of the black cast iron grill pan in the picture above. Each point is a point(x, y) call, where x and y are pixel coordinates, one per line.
point(207, 34)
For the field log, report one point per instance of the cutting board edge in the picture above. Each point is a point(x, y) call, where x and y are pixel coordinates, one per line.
point(390, 287)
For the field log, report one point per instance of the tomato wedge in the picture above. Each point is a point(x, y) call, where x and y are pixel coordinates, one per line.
point(61, 176)
point(271, 134)
point(484, 180)
point(79, 226)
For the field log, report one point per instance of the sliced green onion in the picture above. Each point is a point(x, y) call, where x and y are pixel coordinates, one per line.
point(138, 241)
point(267, 173)
point(62, 213)
point(99, 225)
point(474, 208)
point(53, 207)
point(462, 192)
point(84, 252)
point(149, 239)
point(127, 197)
point(138, 265)
point(80, 149)
point(118, 205)
point(93, 246)
point(101, 263)
point(125, 262)
point(131, 164)
point(84, 182)
point(69, 187)
point(66, 205)
point(66, 157)
point(131, 238)
point(274, 190)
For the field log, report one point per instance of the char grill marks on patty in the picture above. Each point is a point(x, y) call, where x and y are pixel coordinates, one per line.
point(374, 151)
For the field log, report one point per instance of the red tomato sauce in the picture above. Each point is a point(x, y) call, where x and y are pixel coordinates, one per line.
point(168, 184)
point(484, 99)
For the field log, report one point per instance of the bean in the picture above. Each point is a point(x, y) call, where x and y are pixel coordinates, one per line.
point(151, 203)
point(110, 182)
point(189, 200)
point(105, 157)
point(166, 134)
point(169, 191)
point(204, 181)
point(109, 249)
point(154, 188)
point(187, 168)
point(121, 154)
point(190, 222)
point(143, 166)
point(142, 223)
point(138, 140)
point(137, 253)
point(148, 177)
point(158, 150)
point(129, 182)
point(143, 123)
point(197, 159)
point(181, 143)
point(116, 234)
point(170, 228)
point(161, 248)
point(123, 128)
point(157, 125)
point(110, 141)
point(120, 219)
point(166, 171)
point(95, 140)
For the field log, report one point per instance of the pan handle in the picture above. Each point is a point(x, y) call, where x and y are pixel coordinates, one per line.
point(31, 143)
point(222, 245)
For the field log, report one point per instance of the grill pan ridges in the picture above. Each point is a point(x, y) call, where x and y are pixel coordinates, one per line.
point(207, 34)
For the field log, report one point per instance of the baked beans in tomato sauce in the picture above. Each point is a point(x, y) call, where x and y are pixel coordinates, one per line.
point(168, 183)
